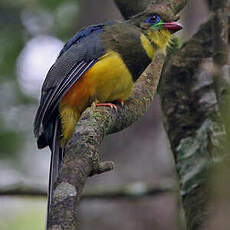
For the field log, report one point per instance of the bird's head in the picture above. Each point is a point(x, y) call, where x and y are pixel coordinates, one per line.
point(158, 30)
point(157, 26)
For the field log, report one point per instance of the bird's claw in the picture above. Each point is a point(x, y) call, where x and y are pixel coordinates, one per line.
point(121, 102)
point(112, 106)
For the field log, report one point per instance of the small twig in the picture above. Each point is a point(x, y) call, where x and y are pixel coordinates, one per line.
point(22, 189)
point(130, 191)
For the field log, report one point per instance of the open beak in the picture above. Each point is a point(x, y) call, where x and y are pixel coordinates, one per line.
point(173, 27)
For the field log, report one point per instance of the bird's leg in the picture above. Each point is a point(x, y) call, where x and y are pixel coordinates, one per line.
point(122, 102)
point(111, 105)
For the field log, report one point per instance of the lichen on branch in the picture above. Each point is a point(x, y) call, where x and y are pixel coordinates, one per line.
point(82, 151)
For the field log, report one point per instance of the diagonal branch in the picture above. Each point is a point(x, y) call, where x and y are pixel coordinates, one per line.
point(81, 154)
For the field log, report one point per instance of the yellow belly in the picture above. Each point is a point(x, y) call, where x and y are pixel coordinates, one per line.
point(108, 80)
point(111, 78)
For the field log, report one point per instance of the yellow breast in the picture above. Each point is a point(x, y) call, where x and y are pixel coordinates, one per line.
point(160, 38)
point(149, 49)
point(108, 80)
point(111, 78)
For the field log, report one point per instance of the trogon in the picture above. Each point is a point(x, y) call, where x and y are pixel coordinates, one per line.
point(99, 65)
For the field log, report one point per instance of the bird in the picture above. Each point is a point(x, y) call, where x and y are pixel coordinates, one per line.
point(98, 65)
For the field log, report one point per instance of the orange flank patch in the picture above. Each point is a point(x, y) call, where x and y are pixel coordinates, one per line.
point(79, 94)
point(73, 104)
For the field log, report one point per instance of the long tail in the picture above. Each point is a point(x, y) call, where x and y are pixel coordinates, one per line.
point(55, 163)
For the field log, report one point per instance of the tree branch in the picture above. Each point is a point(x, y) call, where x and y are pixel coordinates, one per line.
point(130, 191)
point(220, 188)
point(129, 8)
point(81, 153)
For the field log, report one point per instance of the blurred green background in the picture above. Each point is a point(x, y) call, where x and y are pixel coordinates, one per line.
point(32, 32)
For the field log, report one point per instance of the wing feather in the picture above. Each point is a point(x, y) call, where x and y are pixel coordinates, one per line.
point(46, 101)
point(74, 77)
point(54, 96)
point(75, 59)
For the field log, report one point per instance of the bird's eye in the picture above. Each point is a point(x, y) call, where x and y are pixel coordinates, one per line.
point(153, 19)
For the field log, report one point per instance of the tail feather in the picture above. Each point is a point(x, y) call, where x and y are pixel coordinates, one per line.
point(55, 163)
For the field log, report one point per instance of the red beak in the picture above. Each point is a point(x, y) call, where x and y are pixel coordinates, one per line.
point(173, 27)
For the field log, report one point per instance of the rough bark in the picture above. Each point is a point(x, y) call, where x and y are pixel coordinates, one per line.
point(220, 187)
point(191, 119)
point(190, 93)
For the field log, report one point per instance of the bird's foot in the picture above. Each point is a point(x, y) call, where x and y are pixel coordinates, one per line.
point(112, 106)
point(122, 102)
